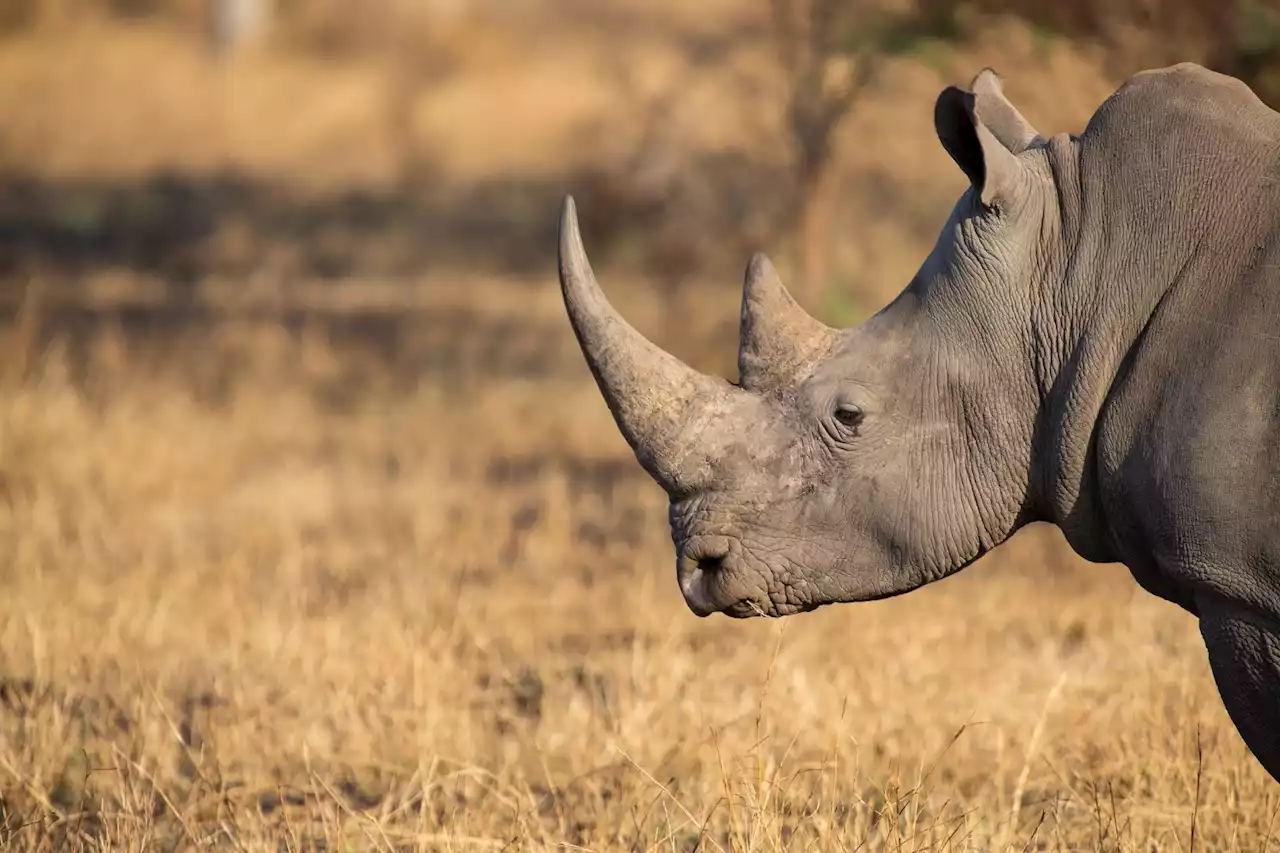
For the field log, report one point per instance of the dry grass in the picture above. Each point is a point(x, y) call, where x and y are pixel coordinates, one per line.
point(445, 620)
point(266, 589)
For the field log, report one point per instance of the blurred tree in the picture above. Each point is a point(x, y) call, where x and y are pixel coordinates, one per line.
point(1237, 37)
point(824, 74)
point(830, 51)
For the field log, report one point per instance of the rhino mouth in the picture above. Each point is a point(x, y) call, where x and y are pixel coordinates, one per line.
point(709, 568)
point(742, 608)
point(717, 575)
point(747, 608)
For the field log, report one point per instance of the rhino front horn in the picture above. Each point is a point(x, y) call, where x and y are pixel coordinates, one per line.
point(779, 340)
point(661, 405)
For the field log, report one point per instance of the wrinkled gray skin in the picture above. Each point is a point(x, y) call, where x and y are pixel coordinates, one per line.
point(1093, 342)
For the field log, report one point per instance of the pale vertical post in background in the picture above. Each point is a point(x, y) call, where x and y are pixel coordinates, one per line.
point(233, 25)
point(230, 28)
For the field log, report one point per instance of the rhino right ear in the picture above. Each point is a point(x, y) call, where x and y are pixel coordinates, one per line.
point(992, 169)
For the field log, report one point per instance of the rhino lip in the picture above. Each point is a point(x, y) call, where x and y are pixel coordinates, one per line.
point(701, 559)
point(742, 608)
point(700, 596)
point(697, 596)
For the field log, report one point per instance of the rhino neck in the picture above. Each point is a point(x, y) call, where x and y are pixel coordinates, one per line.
point(1081, 329)
point(1090, 313)
point(1032, 356)
point(973, 330)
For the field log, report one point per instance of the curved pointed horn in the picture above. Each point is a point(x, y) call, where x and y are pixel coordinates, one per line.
point(779, 339)
point(660, 404)
point(999, 114)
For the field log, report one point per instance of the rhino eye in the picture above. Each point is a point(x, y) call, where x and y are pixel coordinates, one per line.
point(848, 416)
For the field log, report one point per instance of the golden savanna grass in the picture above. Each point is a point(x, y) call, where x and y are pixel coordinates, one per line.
point(270, 588)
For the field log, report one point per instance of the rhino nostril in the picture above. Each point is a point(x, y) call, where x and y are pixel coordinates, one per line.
point(704, 556)
point(711, 563)
point(708, 554)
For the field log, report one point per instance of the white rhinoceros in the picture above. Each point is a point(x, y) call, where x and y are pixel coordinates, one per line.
point(1093, 342)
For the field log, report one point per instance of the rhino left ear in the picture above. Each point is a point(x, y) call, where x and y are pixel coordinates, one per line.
point(999, 114)
point(992, 168)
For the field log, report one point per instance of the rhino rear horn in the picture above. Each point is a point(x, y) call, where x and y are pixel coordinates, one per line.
point(661, 405)
point(779, 340)
point(999, 114)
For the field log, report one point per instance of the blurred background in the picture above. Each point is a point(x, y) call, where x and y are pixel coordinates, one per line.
point(315, 528)
point(241, 149)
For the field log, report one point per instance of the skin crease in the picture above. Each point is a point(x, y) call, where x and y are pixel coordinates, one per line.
point(1092, 342)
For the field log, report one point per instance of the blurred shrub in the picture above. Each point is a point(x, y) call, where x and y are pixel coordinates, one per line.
point(338, 28)
point(19, 15)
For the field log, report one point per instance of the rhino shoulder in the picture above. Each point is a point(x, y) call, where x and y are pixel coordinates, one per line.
point(1188, 86)
point(1183, 119)
point(1177, 71)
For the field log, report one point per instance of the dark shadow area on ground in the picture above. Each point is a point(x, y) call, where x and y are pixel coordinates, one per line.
point(185, 227)
point(178, 231)
point(454, 347)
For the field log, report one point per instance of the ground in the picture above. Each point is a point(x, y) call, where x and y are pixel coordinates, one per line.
point(318, 535)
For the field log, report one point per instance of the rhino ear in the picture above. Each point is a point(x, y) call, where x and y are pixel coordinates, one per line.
point(992, 168)
point(1000, 115)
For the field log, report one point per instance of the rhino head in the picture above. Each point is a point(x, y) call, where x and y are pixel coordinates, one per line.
point(860, 463)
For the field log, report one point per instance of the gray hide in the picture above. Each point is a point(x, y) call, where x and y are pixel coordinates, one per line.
point(1093, 342)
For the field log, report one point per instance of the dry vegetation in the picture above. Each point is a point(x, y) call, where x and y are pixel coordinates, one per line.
point(317, 535)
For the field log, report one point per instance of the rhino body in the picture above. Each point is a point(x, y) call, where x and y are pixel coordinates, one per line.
point(1093, 342)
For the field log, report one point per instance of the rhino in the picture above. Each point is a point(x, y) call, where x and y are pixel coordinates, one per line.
point(1093, 342)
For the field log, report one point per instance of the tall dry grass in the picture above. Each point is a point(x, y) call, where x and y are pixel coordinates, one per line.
point(436, 620)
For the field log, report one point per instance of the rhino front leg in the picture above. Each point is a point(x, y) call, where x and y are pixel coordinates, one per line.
point(1244, 654)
